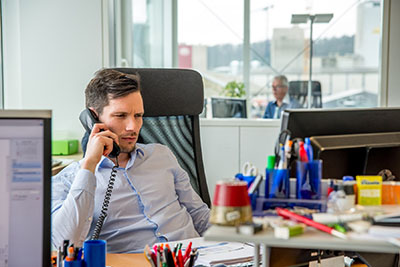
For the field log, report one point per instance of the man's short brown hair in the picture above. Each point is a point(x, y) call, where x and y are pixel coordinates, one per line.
point(109, 84)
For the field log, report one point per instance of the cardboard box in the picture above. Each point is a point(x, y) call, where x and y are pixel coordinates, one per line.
point(64, 147)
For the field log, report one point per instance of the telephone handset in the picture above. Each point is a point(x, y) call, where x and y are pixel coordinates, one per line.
point(88, 118)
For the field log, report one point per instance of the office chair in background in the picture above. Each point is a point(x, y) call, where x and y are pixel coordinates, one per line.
point(299, 89)
point(173, 100)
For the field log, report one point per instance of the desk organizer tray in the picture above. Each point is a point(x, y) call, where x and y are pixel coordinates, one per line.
point(265, 205)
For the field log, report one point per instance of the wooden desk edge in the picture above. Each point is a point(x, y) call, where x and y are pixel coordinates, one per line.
point(126, 260)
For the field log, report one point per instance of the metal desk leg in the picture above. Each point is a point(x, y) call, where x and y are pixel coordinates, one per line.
point(266, 255)
point(256, 255)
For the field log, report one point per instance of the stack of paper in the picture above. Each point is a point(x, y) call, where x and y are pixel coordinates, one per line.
point(388, 218)
point(213, 253)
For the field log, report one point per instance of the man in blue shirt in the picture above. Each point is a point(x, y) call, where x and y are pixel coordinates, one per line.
point(152, 199)
point(283, 101)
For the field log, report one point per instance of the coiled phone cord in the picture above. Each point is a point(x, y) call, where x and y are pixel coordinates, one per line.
point(106, 202)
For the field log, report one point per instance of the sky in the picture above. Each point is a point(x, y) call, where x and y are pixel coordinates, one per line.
point(211, 22)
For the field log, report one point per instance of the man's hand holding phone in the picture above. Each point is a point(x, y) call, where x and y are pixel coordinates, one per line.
point(100, 144)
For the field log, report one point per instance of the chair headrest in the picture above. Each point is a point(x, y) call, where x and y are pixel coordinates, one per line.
point(169, 92)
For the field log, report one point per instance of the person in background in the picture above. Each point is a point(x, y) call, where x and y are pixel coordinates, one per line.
point(283, 101)
point(152, 199)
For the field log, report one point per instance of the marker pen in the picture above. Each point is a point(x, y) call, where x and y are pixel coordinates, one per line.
point(302, 152)
point(309, 149)
point(282, 161)
point(293, 216)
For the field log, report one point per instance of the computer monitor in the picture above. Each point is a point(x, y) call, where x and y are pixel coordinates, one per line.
point(228, 107)
point(25, 175)
point(315, 122)
point(333, 131)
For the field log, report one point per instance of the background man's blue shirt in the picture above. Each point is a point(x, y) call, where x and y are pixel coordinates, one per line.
point(272, 110)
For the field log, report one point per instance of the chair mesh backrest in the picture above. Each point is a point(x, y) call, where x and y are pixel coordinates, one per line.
point(173, 100)
point(176, 132)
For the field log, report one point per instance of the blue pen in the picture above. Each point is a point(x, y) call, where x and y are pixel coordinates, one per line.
point(308, 148)
point(282, 162)
point(79, 257)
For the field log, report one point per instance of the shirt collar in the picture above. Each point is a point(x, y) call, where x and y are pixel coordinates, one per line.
point(107, 163)
point(286, 100)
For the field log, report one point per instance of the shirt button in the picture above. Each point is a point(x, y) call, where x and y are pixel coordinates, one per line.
point(90, 219)
point(158, 234)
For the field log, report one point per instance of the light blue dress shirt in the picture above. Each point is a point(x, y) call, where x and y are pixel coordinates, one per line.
point(152, 201)
point(272, 110)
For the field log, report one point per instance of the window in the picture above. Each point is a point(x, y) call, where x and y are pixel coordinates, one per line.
point(140, 33)
point(208, 36)
point(345, 51)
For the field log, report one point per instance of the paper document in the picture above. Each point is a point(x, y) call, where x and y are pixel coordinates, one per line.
point(212, 253)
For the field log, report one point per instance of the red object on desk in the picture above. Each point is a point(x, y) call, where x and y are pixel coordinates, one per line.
point(293, 216)
point(187, 252)
point(180, 258)
point(231, 194)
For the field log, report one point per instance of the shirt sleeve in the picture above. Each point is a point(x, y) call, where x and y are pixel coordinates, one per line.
point(72, 205)
point(267, 114)
point(195, 206)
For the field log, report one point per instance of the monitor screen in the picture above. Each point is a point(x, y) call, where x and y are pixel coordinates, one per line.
point(25, 175)
point(228, 107)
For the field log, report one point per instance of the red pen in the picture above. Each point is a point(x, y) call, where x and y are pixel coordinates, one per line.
point(302, 152)
point(187, 252)
point(293, 216)
point(180, 258)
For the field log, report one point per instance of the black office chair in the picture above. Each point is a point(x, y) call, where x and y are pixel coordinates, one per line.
point(299, 90)
point(173, 100)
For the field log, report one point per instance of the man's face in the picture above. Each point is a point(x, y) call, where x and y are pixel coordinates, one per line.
point(124, 117)
point(278, 89)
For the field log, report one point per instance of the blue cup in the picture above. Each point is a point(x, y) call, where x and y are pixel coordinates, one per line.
point(308, 183)
point(94, 253)
point(77, 263)
point(280, 184)
point(268, 178)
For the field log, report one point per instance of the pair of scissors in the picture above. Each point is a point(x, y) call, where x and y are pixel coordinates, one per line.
point(249, 169)
point(284, 135)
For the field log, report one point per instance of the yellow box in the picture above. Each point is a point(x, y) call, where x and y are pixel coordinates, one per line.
point(369, 190)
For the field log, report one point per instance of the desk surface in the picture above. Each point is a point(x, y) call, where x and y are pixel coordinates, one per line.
point(57, 169)
point(311, 239)
point(126, 260)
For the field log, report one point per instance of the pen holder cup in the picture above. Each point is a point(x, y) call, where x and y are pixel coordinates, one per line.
point(77, 263)
point(94, 253)
point(279, 184)
point(308, 183)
